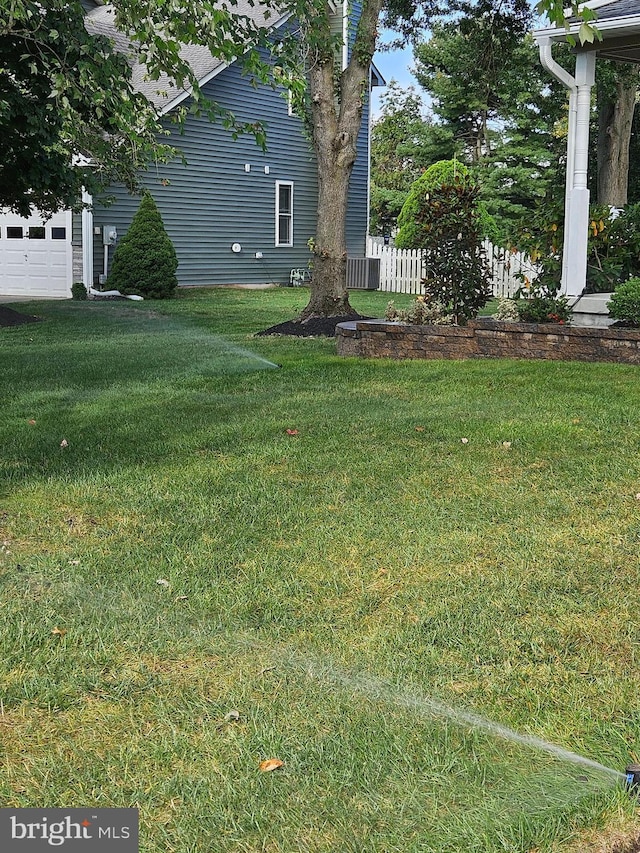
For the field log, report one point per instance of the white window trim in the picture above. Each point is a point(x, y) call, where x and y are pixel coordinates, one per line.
point(279, 184)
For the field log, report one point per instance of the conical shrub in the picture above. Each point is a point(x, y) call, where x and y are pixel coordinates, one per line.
point(145, 262)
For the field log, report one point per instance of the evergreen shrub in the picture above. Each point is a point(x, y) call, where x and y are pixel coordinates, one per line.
point(442, 216)
point(411, 230)
point(624, 304)
point(78, 290)
point(145, 262)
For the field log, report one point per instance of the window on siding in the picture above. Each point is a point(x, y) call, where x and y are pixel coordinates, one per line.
point(284, 213)
point(58, 233)
point(14, 232)
point(36, 232)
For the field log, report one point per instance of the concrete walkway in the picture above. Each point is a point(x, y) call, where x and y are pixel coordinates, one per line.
point(6, 300)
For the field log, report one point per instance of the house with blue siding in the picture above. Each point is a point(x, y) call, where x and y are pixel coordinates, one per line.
point(237, 214)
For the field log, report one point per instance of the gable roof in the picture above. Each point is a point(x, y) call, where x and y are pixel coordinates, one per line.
point(163, 93)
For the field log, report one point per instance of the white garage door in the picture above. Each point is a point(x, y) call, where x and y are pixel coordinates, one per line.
point(35, 255)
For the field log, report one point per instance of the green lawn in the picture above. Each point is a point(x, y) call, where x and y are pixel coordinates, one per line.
point(361, 568)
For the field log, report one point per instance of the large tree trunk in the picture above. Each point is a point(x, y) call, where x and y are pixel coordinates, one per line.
point(334, 142)
point(335, 132)
point(615, 119)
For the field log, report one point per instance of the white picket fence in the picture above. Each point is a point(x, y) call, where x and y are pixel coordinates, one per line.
point(402, 270)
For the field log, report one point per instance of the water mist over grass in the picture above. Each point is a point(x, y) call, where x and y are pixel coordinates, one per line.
point(376, 690)
point(130, 343)
point(429, 633)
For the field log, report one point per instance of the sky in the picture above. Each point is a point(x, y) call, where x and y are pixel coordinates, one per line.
point(393, 65)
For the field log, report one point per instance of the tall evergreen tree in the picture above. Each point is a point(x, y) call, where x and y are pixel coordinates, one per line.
point(403, 144)
point(489, 90)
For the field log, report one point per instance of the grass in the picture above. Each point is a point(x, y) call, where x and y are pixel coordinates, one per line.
point(321, 592)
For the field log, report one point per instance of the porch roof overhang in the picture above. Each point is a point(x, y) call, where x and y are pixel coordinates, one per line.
point(618, 24)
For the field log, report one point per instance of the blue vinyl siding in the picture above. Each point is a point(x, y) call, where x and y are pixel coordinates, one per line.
point(358, 208)
point(211, 202)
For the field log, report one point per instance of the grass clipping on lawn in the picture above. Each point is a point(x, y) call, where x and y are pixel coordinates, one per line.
point(218, 562)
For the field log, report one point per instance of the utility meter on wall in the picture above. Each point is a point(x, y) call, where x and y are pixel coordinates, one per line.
point(109, 235)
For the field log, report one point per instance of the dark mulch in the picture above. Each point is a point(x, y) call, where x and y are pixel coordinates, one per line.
point(314, 327)
point(9, 317)
point(624, 324)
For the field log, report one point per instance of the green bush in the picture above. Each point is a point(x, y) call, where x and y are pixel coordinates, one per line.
point(541, 303)
point(624, 304)
point(544, 309)
point(78, 290)
point(613, 253)
point(145, 262)
point(442, 215)
point(444, 173)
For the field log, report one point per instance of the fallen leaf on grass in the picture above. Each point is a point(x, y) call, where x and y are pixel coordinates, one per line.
point(74, 562)
point(292, 432)
point(162, 582)
point(464, 440)
point(32, 422)
point(64, 443)
point(59, 632)
point(419, 429)
point(270, 764)
point(181, 598)
point(506, 444)
point(232, 717)
point(638, 496)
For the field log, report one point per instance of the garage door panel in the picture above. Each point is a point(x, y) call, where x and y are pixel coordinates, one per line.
point(36, 266)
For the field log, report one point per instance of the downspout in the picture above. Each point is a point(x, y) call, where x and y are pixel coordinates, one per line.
point(574, 256)
point(87, 239)
point(569, 82)
point(552, 66)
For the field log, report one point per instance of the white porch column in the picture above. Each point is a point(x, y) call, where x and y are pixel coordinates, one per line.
point(576, 226)
point(87, 240)
point(571, 163)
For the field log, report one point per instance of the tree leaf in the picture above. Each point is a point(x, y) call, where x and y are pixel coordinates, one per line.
point(586, 33)
point(270, 764)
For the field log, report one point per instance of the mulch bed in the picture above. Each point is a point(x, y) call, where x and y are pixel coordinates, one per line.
point(9, 317)
point(314, 327)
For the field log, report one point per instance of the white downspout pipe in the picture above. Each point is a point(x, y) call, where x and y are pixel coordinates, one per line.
point(576, 205)
point(87, 239)
point(548, 62)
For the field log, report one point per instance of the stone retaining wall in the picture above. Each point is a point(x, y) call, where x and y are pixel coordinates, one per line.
point(484, 338)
